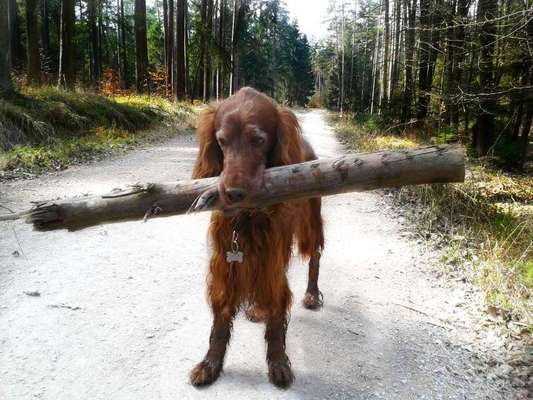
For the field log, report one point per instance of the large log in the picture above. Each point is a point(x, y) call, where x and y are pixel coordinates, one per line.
point(348, 173)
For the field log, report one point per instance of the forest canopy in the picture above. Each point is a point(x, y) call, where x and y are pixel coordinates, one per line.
point(460, 69)
point(200, 49)
point(447, 69)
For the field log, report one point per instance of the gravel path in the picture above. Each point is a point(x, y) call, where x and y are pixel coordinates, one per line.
point(122, 313)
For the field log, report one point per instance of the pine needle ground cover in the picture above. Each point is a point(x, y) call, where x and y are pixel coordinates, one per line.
point(484, 225)
point(47, 128)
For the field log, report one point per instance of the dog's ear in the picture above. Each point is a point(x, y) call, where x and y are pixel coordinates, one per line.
point(288, 148)
point(209, 161)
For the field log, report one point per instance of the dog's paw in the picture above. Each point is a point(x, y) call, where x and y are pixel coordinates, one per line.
point(313, 301)
point(205, 373)
point(255, 314)
point(280, 374)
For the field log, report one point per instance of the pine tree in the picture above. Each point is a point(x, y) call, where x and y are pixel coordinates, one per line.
point(141, 47)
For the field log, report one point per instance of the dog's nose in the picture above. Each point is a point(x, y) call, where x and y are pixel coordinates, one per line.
point(235, 195)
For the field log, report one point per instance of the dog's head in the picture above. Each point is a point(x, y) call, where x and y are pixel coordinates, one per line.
point(242, 136)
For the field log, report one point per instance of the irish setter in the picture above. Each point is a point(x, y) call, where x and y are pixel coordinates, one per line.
point(239, 138)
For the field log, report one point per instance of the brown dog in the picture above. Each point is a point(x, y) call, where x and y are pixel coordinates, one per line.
point(239, 138)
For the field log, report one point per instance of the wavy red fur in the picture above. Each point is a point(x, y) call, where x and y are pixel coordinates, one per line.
point(265, 236)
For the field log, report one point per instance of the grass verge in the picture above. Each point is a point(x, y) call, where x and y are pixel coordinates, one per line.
point(48, 128)
point(485, 224)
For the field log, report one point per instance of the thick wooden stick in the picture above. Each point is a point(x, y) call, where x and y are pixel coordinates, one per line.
point(348, 173)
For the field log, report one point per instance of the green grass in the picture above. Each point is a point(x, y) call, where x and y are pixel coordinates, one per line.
point(485, 224)
point(47, 128)
point(364, 133)
point(525, 269)
point(59, 155)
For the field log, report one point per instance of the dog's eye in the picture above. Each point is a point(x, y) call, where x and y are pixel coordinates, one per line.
point(258, 140)
point(222, 141)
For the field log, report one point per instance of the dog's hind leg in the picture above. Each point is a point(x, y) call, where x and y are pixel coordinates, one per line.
point(311, 242)
point(313, 296)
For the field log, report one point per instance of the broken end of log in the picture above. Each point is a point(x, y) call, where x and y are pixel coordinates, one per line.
point(45, 217)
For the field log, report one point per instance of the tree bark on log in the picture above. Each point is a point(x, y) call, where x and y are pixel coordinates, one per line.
point(324, 177)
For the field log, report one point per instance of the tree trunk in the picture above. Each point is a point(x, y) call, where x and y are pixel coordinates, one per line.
point(352, 89)
point(32, 34)
point(102, 37)
point(458, 61)
point(526, 130)
point(199, 72)
point(487, 10)
point(67, 68)
point(17, 53)
point(349, 173)
point(518, 121)
point(528, 81)
point(203, 70)
point(375, 62)
point(171, 75)
point(166, 50)
point(386, 58)
point(396, 57)
point(123, 49)
point(462, 12)
point(234, 56)
point(448, 95)
point(45, 29)
point(221, 40)
point(6, 85)
point(341, 100)
point(424, 84)
point(181, 57)
point(141, 46)
point(410, 16)
point(208, 54)
point(96, 69)
point(429, 18)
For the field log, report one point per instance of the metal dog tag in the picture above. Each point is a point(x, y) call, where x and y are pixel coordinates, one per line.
point(234, 256)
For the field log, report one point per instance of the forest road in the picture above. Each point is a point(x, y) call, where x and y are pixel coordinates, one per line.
point(122, 312)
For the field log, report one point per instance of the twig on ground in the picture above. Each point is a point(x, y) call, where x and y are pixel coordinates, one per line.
point(412, 309)
point(7, 208)
point(73, 308)
point(14, 216)
point(433, 322)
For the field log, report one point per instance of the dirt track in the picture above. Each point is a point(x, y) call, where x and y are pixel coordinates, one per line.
point(122, 311)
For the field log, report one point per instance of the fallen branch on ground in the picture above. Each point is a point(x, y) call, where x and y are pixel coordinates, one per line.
point(348, 173)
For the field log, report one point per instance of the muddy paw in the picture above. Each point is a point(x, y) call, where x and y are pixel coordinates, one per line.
point(256, 314)
point(313, 301)
point(280, 374)
point(205, 373)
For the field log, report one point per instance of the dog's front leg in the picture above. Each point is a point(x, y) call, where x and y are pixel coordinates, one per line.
point(279, 366)
point(208, 370)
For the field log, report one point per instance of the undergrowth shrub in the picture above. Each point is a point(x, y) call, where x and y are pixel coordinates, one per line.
point(39, 115)
point(363, 132)
point(484, 224)
point(47, 128)
point(60, 154)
